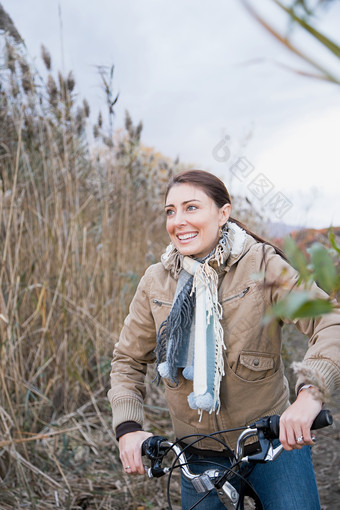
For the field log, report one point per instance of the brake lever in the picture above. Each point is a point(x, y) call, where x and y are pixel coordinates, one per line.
point(267, 454)
point(155, 451)
point(266, 447)
point(273, 453)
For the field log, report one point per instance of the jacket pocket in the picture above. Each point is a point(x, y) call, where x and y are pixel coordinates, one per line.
point(254, 366)
point(242, 311)
point(159, 302)
point(236, 296)
point(160, 310)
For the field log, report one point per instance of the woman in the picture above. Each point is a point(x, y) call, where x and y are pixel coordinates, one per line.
point(198, 313)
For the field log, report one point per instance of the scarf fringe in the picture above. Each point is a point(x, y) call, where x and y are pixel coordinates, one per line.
point(173, 332)
point(174, 338)
point(206, 277)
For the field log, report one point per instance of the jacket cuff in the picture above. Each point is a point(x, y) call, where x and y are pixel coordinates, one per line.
point(126, 428)
point(321, 373)
point(126, 408)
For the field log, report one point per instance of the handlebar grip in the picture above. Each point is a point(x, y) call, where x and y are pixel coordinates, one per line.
point(151, 447)
point(323, 419)
point(274, 426)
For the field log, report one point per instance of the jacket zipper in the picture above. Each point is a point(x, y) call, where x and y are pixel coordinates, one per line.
point(240, 295)
point(161, 303)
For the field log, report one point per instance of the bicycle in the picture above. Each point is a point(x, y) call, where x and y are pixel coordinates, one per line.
point(266, 429)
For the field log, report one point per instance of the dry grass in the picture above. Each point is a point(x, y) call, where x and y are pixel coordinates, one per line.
point(78, 228)
point(73, 464)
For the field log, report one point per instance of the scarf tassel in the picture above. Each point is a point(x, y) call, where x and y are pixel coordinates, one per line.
point(192, 336)
point(172, 334)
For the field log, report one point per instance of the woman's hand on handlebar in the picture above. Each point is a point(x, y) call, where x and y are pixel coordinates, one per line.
point(296, 421)
point(130, 451)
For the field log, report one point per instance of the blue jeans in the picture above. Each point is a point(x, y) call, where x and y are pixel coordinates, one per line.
point(288, 483)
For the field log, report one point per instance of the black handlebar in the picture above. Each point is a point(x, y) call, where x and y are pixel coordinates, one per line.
point(266, 429)
point(152, 446)
point(271, 424)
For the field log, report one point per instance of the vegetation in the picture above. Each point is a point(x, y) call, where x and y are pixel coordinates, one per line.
point(78, 227)
point(301, 15)
point(320, 264)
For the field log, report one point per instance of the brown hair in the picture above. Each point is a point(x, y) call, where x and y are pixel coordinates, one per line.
point(216, 190)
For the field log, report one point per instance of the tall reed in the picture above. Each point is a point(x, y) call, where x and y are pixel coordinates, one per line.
point(80, 220)
point(78, 227)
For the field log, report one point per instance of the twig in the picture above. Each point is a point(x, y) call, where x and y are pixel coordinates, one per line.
point(36, 437)
point(16, 455)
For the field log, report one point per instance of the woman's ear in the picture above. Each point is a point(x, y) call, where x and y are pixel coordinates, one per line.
point(224, 213)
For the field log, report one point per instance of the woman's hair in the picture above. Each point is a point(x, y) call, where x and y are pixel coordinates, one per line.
point(216, 190)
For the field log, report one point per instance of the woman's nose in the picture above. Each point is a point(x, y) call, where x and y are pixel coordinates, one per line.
point(179, 219)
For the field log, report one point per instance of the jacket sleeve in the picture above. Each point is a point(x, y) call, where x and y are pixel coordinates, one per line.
point(131, 355)
point(321, 363)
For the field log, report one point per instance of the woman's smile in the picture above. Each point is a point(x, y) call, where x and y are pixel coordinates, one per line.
point(187, 237)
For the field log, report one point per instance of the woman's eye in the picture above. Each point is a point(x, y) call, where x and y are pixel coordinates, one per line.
point(192, 207)
point(169, 212)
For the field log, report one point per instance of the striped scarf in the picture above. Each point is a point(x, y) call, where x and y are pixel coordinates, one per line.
point(191, 338)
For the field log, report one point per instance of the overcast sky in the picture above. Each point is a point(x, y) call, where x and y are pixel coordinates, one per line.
point(210, 86)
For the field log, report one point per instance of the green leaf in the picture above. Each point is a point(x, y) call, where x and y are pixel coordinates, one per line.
point(298, 305)
point(333, 242)
point(287, 307)
point(313, 308)
point(296, 258)
point(324, 269)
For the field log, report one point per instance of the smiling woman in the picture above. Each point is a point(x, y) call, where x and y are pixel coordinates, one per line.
point(193, 220)
point(220, 363)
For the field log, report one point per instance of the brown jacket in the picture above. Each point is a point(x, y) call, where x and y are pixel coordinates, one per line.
point(254, 384)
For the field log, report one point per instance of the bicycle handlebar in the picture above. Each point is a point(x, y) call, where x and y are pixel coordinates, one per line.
point(266, 429)
point(271, 424)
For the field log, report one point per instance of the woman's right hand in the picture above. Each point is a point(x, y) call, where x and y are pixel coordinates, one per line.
point(130, 449)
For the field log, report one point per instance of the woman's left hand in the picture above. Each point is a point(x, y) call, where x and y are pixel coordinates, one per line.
point(296, 421)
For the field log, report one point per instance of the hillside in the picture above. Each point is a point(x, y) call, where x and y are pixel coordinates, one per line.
point(305, 237)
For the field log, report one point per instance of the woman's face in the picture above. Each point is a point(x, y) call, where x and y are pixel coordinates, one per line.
point(193, 220)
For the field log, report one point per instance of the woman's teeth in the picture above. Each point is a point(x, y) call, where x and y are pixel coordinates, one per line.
point(183, 237)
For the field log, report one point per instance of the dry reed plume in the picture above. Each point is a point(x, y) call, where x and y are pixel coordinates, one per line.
point(78, 228)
